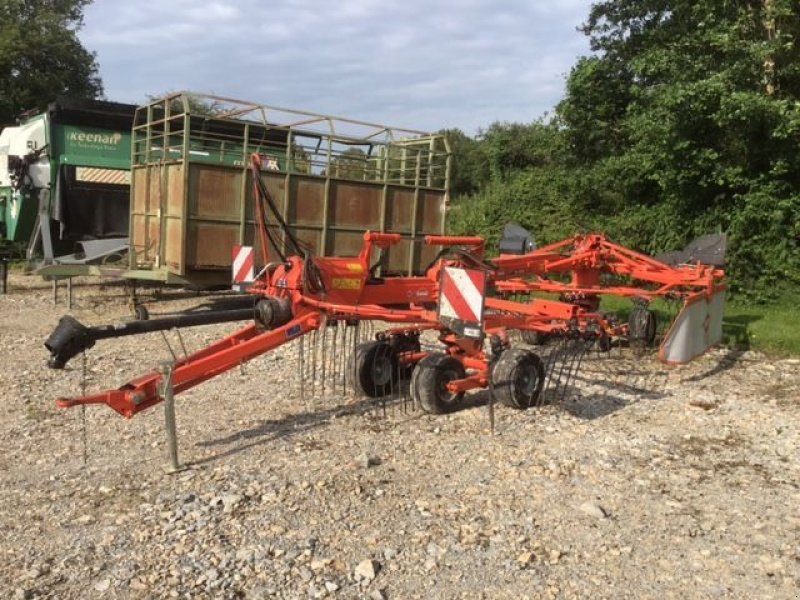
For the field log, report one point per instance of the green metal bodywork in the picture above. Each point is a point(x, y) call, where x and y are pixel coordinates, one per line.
point(17, 215)
point(69, 142)
point(89, 146)
point(18, 207)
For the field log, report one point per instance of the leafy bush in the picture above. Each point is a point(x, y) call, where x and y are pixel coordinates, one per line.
point(686, 121)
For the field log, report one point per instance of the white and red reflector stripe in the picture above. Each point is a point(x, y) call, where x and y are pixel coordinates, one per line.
point(461, 294)
point(243, 264)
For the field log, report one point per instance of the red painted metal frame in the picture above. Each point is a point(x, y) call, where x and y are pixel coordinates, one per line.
point(350, 292)
point(587, 258)
point(143, 392)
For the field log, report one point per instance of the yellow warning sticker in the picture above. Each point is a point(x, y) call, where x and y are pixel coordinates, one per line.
point(346, 283)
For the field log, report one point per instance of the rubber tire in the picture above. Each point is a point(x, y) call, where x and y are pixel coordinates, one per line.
point(534, 338)
point(514, 364)
point(362, 369)
point(642, 326)
point(430, 376)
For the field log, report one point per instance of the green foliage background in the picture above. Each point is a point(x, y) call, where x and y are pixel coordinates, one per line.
point(685, 120)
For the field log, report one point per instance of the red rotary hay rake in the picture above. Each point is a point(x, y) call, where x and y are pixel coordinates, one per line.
point(467, 302)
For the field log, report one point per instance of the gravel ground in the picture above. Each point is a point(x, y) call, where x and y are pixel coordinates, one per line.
point(648, 482)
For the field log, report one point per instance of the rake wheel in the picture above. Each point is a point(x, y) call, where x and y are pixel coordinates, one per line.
point(518, 378)
point(642, 326)
point(429, 383)
point(373, 369)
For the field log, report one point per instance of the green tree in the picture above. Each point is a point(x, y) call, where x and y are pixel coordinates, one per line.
point(685, 120)
point(41, 56)
point(195, 104)
point(511, 147)
point(353, 163)
point(300, 159)
point(689, 112)
point(525, 178)
point(469, 163)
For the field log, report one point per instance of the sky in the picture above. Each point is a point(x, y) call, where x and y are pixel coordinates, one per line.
point(410, 63)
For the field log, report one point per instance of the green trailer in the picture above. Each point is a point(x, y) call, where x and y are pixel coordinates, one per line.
point(65, 177)
point(332, 177)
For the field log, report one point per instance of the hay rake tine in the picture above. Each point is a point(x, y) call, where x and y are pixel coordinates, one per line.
point(345, 357)
point(349, 343)
point(334, 358)
point(385, 397)
point(572, 350)
point(301, 365)
point(565, 369)
point(550, 366)
point(314, 345)
point(408, 404)
point(332, 325)
point(356, 342)
point(307, 366)
point(353, 344)
point(576, 356)
point(169, 347)
point(183, 346)
point(324, 358)
point(559, 364)
point(581, 351)
point(393, 378)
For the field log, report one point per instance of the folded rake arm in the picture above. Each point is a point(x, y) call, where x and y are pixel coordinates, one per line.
point(244, 345)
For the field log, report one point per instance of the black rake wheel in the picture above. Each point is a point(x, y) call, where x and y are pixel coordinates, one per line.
point(642, 326)
point(518, 378)
point(373, 369)
point(429, 383)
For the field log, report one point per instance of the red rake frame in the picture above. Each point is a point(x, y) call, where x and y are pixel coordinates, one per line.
point(301, 293)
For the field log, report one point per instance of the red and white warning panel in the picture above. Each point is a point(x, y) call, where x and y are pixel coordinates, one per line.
point(244, 262)
point(461, 299)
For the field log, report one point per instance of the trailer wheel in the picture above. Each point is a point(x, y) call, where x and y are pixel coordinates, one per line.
point(429, 383)
point(373, 369)
point(140, 312)
point(518, 378)
point(534, 338)
point(642, 326)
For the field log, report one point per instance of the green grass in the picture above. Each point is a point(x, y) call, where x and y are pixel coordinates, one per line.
point(771, 328)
